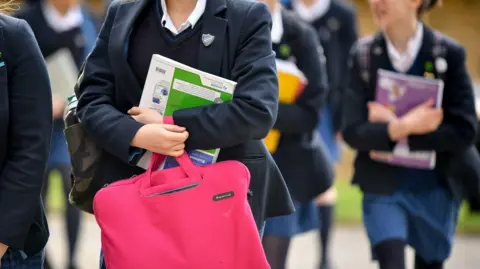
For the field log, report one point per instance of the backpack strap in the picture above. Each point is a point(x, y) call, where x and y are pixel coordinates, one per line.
point(362, 53)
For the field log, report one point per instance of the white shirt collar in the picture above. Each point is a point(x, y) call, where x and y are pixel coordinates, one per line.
point(277, 25)
point(72, 19)
point(403, 62)
point(314, 12)
point(191, 20)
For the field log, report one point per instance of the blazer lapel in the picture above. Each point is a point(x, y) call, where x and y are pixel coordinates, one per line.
point(213, 37)
point(379, 57)
point(119, 40)
point(428, 50)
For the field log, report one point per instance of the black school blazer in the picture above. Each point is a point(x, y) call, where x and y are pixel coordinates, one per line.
point(453, 137)
point(300, 154)
point(25, 133)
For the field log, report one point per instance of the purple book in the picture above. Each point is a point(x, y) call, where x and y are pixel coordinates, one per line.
point(401, 93)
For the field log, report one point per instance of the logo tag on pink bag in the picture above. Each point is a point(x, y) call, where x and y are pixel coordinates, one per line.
point(223, 196)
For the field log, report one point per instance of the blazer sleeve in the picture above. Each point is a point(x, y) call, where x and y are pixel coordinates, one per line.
point(458, 128)
point(253, 110)
point(356, 130)
point(96, 107)
point(303, 115)
point(348, 36)
point(30, 129)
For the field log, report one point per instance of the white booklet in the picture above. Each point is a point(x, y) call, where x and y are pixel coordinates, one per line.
point(171, 86)
point(62, 72)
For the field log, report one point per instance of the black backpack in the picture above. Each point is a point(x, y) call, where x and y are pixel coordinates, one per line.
point(463, 171)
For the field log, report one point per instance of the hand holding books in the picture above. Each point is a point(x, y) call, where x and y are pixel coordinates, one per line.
point(380, 113)
point(164, 139)
point(423, 119)
point(145, 115)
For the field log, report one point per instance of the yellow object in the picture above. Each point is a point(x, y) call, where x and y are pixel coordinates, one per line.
point(291, 83)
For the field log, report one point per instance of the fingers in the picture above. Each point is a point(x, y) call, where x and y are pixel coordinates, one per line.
point(174, 128)
point(178, 147)
point(428, 103)
point(176, 153)
point(135, 110)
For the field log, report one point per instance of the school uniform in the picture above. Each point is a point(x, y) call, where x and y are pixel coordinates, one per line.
point(300, 155)
point(76, 32)
point(335, 24)
point(113, 79)
point(413, 205)
point(26, 119)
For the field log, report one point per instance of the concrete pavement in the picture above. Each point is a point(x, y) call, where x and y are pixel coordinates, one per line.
point(350, 249)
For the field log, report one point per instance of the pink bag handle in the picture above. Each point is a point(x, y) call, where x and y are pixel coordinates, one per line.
point(183, 160)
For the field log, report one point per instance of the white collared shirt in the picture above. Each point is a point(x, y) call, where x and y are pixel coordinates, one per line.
point(403, 62)
point(72, 19)
point(312, 13)
point(277, 25)
point(191, 20)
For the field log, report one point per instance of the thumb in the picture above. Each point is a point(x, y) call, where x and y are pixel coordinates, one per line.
point(428, 103)
point(174, 128)
point(135, 110)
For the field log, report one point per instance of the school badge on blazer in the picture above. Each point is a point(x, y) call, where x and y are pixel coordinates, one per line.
point(207, 39)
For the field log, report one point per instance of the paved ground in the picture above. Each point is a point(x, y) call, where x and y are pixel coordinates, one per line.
point(350, 249)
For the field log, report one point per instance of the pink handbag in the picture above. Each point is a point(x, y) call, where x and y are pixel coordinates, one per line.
point(188, 217)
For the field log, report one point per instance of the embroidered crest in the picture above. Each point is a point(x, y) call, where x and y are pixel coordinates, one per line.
point(207, 39)
point(365, 76)
point(377, 51)
point(324, 33)
point(437, 50)
point(333, 24)
point(79, 40)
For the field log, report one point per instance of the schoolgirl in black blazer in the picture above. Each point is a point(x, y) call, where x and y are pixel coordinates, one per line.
point(406, 205)
point(25, 133)
point(300, 155)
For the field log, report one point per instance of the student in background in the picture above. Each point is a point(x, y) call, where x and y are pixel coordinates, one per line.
point(26, 120)
point(299, 147)
point(406, 206)
point(61, 24)
point(336, 27)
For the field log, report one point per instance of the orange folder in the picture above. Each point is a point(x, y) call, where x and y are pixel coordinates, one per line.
point(291, 84)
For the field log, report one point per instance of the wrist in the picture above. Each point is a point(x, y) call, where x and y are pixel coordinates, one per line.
point(137, 139)
point(398, 129)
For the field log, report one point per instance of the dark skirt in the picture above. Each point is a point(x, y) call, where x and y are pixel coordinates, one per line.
point(422, 212)
point(303, 220)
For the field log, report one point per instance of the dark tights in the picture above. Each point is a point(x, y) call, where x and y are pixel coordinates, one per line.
point(391, 255)
point(72, 214)
point(422, 264)
point(276, 250)
point(326, 214)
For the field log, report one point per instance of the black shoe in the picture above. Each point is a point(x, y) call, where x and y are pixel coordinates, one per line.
point(72, 267)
